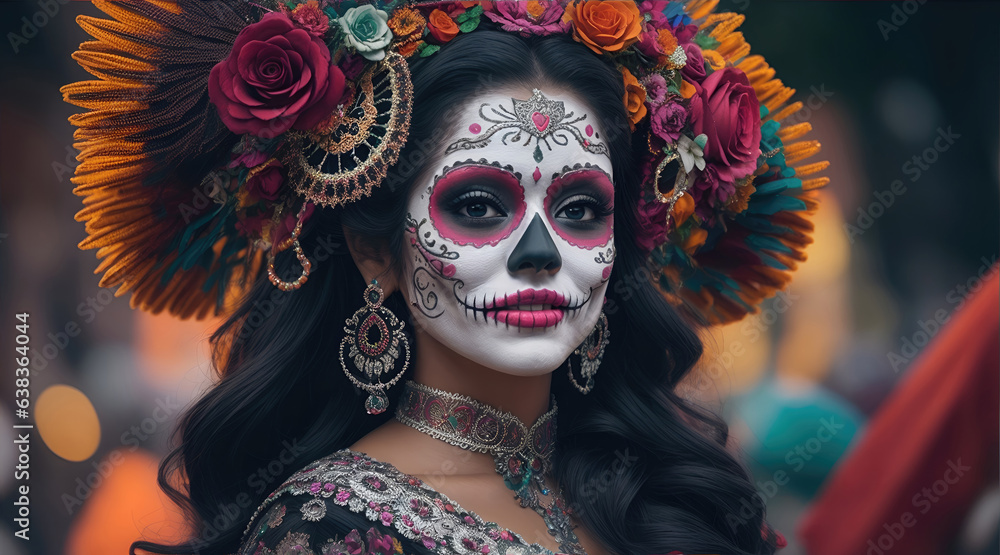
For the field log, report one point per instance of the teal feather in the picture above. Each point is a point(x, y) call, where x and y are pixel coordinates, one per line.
point(777, 186)
point(773, 204)
point(761, 224)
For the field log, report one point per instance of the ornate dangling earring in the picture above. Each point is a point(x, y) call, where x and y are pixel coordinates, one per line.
point(373, 359)
point(290, 242)
point(591, 351)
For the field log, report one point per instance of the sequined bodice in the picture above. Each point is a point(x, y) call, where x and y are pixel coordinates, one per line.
point(403, 504)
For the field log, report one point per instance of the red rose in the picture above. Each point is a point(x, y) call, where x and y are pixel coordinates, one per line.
point(277, 76)
point(685, 33)
point(265, 181)
point(694, 69)
point(725, 108)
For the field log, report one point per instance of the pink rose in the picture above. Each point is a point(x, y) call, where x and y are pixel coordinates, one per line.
point(266, 181)
point(710, 191)
point(725, 108)
point(544, 18)
point(654, 8)
point(685, 33)
point(668, 120)
point(379, 544)
point(656, 89)
point(355, 545)
point(648, 44)
point(652, 224)
point(248, 158)
point(694, 69)
point(277, 76)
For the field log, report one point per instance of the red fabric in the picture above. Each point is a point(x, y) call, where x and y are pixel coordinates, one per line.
point(941, 425)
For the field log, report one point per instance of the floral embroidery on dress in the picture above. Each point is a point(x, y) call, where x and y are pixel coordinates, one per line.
point(275, 515)
point(397, 501)
point(295, 543)
point(375, 543)
point(299, 543)
point(314, 510)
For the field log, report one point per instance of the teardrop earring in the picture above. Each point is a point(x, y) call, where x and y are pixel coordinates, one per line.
point(374, 356)
point(591, 351)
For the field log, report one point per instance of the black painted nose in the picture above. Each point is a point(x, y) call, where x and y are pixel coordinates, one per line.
point(535, 250)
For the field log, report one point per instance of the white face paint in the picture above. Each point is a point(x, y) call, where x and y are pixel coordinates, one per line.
point(510, 242)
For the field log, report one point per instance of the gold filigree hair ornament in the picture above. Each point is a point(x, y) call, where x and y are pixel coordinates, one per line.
point(295, 105)
point(347, 162)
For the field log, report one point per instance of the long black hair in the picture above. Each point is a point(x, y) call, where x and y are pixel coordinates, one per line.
point(645, 471)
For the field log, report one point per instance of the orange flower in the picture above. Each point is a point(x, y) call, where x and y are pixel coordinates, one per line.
point(714, 59)
point(635, 98)
point(605, 25)
point(683, 209)
point(535, 8)
point(740, 200)
point(687, 89)
point(694, 240)
point(407, 27)
point(405, 22)
point(667, 41)
point(408, 48)
point(443, 27)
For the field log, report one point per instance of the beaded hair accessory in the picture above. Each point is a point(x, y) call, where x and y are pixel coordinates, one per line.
point(539, 118)
point(216, 129)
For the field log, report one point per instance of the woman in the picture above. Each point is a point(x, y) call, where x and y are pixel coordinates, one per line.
point(467, 291)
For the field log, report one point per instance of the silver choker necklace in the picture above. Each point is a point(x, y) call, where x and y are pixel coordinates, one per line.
point(522, 455)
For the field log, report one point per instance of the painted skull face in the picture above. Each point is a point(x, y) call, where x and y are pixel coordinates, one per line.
point(511, 241)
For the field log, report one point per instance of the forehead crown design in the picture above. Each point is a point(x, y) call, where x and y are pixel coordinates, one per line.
point(539, 115)
point(539, 118)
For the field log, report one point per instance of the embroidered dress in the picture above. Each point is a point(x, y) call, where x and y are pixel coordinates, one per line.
point(349, 503)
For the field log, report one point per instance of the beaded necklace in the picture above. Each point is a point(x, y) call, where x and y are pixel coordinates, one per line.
point(522, 455)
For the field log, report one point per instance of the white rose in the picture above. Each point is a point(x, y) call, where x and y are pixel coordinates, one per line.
point(367, 31)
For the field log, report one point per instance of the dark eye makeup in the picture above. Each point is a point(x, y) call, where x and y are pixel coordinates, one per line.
point(583, 208)
point(580, 206)
point(476, 203)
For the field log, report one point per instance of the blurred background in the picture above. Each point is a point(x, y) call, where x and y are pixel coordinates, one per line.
point(902, 95)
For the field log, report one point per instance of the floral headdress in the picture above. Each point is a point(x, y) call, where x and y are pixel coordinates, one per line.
point(216, 128)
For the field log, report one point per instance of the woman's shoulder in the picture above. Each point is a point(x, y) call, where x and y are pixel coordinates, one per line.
point(316, 511)
point(347, 497)
point(295, 524)
point(344, 478)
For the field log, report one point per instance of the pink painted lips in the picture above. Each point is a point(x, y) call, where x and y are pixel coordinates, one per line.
point(530, 308)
